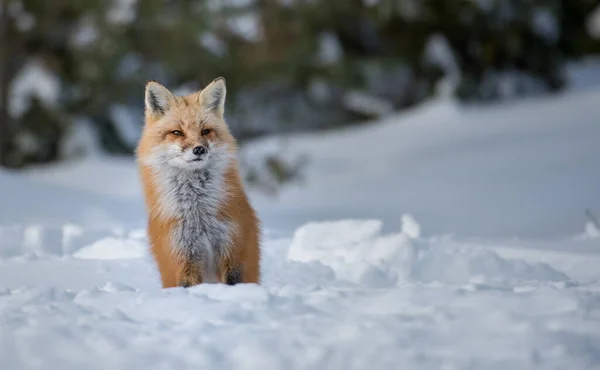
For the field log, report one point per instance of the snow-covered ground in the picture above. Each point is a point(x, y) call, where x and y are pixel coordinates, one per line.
point(442, 238)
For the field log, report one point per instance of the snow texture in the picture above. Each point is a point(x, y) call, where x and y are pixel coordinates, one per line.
point(443, 238)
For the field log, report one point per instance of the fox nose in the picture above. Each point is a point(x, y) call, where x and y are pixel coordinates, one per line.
point(199, 150)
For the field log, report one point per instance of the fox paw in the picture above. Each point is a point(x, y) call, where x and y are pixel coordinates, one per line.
point(186, 283)
point(234, 276)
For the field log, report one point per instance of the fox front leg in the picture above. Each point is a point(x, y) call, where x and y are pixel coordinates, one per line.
point(189, 274)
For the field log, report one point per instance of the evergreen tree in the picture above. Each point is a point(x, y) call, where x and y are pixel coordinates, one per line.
point(289, 65)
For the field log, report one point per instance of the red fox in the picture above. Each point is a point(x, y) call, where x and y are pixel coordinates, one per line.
point(201, 226)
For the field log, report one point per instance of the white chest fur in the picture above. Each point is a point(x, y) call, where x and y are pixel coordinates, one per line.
point(194, 199)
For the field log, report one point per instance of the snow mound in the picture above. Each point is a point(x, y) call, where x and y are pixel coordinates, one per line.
point(70, 240)
point(114, 248)
point(357, 251)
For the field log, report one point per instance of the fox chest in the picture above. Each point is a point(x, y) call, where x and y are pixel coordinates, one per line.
point(201, 236)
point(200, 232)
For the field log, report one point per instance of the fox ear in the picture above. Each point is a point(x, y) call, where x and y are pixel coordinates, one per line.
point(212, 98)
point(158, 98)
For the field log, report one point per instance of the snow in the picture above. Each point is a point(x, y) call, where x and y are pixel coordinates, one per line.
point(213, 44)
point(81, 139)
point(593, 23)
point(584, 74)
point(34, 80)
point(329, 49)
point(591, 230)
point(24, 20)
point(364, 103)
point(445, 237)
point(85, 34)
point(122, 12)
point(439, 53)
point(127, 123)
point(113, 248)
point(247, 26)
point(356, 251)
point(545, 24)
point(216, 5)
point(526, 169)
point(258, 164)
point(460, 310)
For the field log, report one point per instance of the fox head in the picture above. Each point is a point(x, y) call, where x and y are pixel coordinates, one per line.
point(186, 132)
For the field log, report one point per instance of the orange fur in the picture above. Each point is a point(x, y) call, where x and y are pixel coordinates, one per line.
point(184, 114)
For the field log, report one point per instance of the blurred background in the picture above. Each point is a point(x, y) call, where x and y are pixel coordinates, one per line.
point(72, 72)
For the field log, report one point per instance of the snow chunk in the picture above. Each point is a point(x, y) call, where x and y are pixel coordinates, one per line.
point(219, 5)
point(121, 12)
point(247, 26)
point(355, 251)
point(330, 50)
point(592, 227)
point(23, 19)
point(127, 122)
point(545, 24)
point(593, 23)
point(410, 227)
point(317, 240)
point(113, 248)
point(367, 104)
point(25, 22)
point(213, 44)
point(591, 230)
point(85, 34)
point(33, 80)
point(439, 53)
point(267, 163)
point(81, 139)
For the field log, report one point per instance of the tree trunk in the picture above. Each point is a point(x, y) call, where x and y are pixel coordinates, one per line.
point(4, 81)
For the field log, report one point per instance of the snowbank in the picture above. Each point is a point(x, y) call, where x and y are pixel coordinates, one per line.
point(355, 250)
point(347, 297)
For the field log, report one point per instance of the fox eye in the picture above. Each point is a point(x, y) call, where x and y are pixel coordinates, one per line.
point(206, 131)
point(177, 133)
